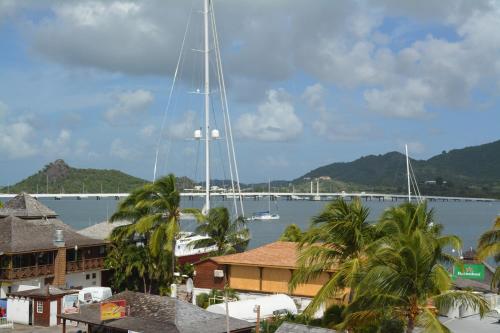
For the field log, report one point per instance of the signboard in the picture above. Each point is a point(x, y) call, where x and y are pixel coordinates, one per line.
point(469, 271)
point(113, 310)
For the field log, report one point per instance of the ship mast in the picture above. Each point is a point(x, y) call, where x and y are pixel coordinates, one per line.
point(207, 106)
point(408, 173)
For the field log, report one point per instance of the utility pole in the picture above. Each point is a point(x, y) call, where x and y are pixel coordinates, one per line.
point(256, 309)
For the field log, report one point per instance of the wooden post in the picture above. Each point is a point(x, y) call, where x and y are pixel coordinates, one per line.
point(64, 325)
point(257, 326)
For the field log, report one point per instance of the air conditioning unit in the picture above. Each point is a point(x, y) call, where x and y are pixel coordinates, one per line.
point(218, 273)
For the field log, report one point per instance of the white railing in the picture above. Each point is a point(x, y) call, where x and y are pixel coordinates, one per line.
point(4, 323)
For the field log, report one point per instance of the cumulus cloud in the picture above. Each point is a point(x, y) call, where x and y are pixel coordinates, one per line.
point(183, 129)
point(59, 145)
point(15, 140)
point(275, 119)
point(129, 107)
point(328, 123)
point(121, 150)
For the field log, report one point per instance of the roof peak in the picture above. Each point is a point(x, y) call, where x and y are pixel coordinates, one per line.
point(24, 205)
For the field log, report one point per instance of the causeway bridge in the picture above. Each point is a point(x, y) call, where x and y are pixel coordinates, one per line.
point(321, 196)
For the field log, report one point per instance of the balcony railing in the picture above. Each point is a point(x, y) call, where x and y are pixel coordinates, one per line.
point(26, 272)
point(85, 265)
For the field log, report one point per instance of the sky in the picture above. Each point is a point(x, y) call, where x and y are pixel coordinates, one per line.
point(308, 83)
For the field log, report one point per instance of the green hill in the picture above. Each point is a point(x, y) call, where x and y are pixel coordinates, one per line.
point(471, 171)
point(58, 177)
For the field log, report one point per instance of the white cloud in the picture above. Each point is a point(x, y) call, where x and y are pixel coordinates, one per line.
point(129, 107)
point(148, 131)
point(275, 119)
point(58, 146)
point(15, 140)
point(121, 150)
point(183, 129)
point(327, 122)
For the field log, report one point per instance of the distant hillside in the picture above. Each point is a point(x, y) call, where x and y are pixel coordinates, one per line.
point(471, 171)
point(58, 177)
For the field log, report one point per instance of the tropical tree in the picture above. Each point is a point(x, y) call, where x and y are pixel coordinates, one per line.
point(292, 233)
point(339, 234)
point(229, 236)
point(405, 275)
point(489, 246)
point(154, 212)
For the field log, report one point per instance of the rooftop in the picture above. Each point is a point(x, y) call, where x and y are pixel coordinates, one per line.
point(102, 230)
point(287, 327)
point(46, 291)
point(18, 235)
point(25, 206)
point(152, 313)
point(277, 254)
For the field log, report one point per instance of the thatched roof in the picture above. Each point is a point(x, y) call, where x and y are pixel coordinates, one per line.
point(101, 230)
point(152, 313)
point(27, 207)
point(18, 235)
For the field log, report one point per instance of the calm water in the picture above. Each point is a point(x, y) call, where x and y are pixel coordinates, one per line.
point(465, 219)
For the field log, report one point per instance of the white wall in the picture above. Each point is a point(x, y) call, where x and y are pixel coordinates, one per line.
point(80, 280)
point(53, 313)
point(18, 310)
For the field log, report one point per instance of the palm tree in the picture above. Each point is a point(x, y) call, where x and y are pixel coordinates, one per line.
point(229, 236)
point(340, 234)
point(292, 233)
point(405, 276)
point(489, 245)
point(154, 210)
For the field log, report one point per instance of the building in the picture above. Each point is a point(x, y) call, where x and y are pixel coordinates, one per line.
point(264, 270)
point(38, 249)
point(152, 314)
point(299, 328)
point(39, 307)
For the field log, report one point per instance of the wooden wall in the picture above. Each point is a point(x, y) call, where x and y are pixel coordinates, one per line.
point(312, 287)
point(244, 277)
point(275, 280)
point(204, 277)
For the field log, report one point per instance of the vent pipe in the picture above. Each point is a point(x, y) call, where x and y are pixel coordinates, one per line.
point(59, 238)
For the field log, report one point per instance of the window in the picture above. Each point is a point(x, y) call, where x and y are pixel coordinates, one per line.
point(87, 277)
point(94, 275)
point(39, 307)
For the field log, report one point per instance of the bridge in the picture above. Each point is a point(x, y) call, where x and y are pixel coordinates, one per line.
point(260, 195)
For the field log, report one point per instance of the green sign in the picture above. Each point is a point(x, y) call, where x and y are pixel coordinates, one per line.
point(469, 271)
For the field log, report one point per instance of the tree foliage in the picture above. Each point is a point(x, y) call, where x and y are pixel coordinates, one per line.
point(396, 269)
point(229, 236)
point(489, 246)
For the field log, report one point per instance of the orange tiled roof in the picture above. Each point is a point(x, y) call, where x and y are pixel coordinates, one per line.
point(277, 254)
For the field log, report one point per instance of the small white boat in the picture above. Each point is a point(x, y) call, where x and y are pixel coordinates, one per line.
point(265, 216)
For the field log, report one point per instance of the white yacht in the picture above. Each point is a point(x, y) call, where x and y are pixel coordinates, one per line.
point(266, 215)
point(187, 251)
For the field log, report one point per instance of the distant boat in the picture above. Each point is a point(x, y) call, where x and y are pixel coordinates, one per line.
point(266, 215)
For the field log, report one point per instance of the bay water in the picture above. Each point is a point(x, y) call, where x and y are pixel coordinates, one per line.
point(468, 220)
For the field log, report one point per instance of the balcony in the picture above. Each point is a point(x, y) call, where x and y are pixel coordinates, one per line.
point(84, 265)
point(23, 273)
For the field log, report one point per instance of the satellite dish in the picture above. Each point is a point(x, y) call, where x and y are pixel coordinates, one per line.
point(189, 286)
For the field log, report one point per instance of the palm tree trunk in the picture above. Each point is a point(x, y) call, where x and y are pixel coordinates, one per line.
point(145, 287)
point(410, 326)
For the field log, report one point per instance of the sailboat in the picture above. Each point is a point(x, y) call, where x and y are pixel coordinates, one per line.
point(266, 215)
point(185, 249)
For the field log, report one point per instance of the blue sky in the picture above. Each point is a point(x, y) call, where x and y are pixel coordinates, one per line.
point(309, 83)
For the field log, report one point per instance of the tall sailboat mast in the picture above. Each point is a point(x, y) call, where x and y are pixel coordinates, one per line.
point(207, 106)
point(408, 173)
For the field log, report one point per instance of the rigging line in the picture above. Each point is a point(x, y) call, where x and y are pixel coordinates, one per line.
point(227, 110)
point(217, 55)
point(415, 184)
point(218, 142)
point(171, 91)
